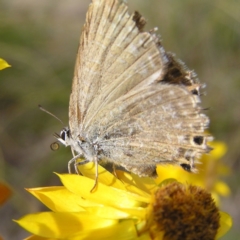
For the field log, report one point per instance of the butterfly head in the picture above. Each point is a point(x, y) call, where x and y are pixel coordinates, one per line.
point(63, 137)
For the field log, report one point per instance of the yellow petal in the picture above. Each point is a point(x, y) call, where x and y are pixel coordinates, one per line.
point(166, 182)
point(113, 213)
point(145, 236)
point(62, 225)
point(104, 176)
point(120, 231)
point(59, 199)
point(215, 196)
point(222, 188)
point(136, 212)
point(134, 183)
point(175, 172)
point(107, 212)
point(225, 224)
point(219, 149)
point(106, 195)
point(34, 237)
point(3, 64)
point(109, 179)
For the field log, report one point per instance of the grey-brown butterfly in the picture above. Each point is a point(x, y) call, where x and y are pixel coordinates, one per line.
point(132, 104)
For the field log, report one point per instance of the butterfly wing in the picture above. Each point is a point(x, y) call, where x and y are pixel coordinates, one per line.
point(153, 125)
point(114, 56)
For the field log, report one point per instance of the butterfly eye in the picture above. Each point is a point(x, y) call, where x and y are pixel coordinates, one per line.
point(63, 134)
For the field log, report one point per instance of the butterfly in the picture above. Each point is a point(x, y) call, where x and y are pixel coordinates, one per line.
point(132, 104)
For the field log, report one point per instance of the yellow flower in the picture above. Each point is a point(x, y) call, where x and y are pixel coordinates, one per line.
point(210, 170)
point(3, 64)
point(123, 207)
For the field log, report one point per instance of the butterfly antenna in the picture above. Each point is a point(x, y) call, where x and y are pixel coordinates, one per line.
point(44, 110)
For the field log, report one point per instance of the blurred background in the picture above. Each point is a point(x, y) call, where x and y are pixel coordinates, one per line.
point(40, 40)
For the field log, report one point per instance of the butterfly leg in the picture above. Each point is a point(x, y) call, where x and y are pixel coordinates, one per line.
point(114, 170)
point(82, 163)
point(73, 160)
point(96, 174)
point(79, 163)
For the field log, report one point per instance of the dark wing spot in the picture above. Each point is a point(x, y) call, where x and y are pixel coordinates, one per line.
point(198, 140)
point(195, 92)
point(175, 72)
point(139, 20)
point(186, 167)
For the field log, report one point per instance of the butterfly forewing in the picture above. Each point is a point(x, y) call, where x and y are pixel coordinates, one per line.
point(111, 60)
